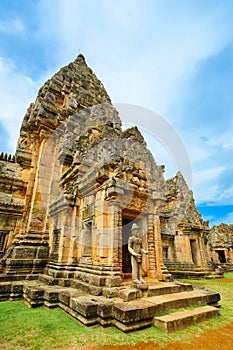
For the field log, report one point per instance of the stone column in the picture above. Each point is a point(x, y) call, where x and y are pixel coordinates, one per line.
point(203, 252)
point(230, 254)
point(115, 231)
point(73, 256)
point(187, 254)
point(151, 246)
point(161, 270)
point(179, 242)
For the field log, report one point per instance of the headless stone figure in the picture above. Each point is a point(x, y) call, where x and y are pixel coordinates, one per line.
point(136, 251)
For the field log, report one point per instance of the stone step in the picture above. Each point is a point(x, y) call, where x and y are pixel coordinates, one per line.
point(141, 312)
point(168, 302)
point(183, 319)
point(38, 293)
point(90, 307)
point(162, 288)
point(49, 280)
point(14, 277)
point(128, 293)
point(192, 274)
point(11, 290)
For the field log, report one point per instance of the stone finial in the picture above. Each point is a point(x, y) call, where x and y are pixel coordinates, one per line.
point(80, 59)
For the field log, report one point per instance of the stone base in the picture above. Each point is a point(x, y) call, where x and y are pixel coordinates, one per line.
point(28, 256)
point(140, 286)
point(125, 307)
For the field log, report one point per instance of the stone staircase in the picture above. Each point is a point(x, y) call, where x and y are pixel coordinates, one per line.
point(124, 307)
point(186, 270)
point(182, 319)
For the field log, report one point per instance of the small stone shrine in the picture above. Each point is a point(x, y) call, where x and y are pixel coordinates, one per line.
point(71, 195)
point(220, 246)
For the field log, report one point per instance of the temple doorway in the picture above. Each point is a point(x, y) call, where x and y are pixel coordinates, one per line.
point(126, 259)
point(194, 250)
point(221, 256)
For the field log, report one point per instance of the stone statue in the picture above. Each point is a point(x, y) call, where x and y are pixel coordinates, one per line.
point(136, 251)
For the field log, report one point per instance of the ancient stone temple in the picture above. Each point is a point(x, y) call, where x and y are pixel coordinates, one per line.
point(220, 246)
point(183, 231)
point(69, 198)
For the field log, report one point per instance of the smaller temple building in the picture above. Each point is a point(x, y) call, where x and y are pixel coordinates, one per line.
point(220, 246)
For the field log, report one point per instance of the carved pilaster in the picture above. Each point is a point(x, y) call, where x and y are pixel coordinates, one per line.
point(161, 270)
point(115, 229)
point(203, 254)
point(151, 246)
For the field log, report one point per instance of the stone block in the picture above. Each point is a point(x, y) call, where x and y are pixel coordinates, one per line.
point(5, 290)
point(21, 252)
point(129, 294)
point(51, 281)
point(86, 306)
point(111, 292)
point(42, 253)
point(79, 285)
point(94, 290)
point(51, 295)
point(105, 308)
point(5, 287)
point(130, 327)
point(64, 297)
point(16, 291)
point(36, 293)
point(64, 282)
point(96, 280)
point(162, 288)
point(115, 281)
point(183, 319)
point(134, 311)
point(66, 294)
point(83, 276)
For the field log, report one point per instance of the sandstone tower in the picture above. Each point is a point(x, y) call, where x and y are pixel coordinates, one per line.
point(69, 198)
point(76, 184)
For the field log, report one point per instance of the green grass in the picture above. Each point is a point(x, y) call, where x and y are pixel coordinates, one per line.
point(228, 275)
point(22, 328)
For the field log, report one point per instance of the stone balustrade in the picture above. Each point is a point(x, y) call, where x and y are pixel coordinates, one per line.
point(7, 157)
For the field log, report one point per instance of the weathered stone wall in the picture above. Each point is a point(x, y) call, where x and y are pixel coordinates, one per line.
point(220, 246)
point(12, 200)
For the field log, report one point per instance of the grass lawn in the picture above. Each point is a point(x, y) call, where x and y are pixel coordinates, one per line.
point(42, 329)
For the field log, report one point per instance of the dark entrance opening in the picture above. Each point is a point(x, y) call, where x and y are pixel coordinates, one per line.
point(126, 259)
point(165, 252)
point(194, 250)
point(221, 256)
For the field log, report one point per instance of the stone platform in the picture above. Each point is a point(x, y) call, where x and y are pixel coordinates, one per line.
point(124, 307)
point(182, 319)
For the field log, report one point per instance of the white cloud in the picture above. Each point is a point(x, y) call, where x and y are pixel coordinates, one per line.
point(203, 176)
point(143, 53)
point(17, 92)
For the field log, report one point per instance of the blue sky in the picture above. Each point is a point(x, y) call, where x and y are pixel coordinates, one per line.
point(172, 57)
